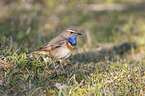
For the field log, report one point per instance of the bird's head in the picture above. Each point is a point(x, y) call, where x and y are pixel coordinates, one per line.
point(71, 31)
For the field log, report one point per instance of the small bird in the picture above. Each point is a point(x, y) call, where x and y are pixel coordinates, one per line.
point(61, 46)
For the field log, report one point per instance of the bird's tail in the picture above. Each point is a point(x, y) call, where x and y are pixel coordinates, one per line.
point(40, 52)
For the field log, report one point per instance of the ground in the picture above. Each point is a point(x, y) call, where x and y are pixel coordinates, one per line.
point(109, 58)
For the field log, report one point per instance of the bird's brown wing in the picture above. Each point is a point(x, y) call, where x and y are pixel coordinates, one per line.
point(53, 44)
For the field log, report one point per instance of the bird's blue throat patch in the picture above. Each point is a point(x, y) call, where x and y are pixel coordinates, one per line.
point(72, 40)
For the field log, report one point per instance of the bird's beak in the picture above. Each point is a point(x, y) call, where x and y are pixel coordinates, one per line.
point(79, 33)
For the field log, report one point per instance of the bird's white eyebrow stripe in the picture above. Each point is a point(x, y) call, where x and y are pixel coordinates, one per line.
point(71, 30)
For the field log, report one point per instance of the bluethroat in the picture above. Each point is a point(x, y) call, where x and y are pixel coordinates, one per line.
point(61, 46)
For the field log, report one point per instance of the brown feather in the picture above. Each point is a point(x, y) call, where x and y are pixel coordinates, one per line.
point(40, 52)
point(54, 43)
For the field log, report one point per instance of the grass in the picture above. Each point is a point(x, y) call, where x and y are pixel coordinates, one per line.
point(109, 59)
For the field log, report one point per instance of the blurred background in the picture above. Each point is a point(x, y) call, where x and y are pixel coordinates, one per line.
point(104, 24)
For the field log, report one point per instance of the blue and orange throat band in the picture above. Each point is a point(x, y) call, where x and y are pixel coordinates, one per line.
point(72, 40)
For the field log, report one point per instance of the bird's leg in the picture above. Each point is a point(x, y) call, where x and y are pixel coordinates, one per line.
point(62, 67)
point(54, 67)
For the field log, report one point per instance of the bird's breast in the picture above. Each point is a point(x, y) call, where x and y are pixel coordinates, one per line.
point(63, 52)
point(69, 46)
